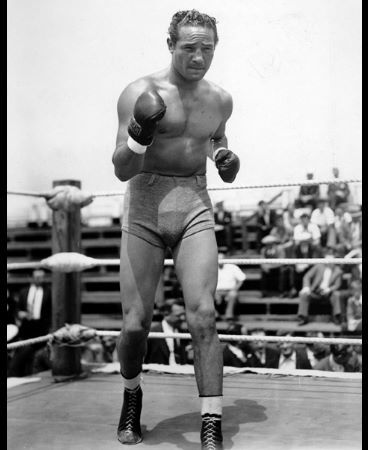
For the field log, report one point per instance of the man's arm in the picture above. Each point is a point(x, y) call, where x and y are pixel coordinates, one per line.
point(139, 109)
point(226, 161)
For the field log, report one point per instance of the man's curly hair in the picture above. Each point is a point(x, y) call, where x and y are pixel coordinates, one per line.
point(190, 17)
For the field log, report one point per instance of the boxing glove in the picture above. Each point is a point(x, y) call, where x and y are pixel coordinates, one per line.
point(149, 109)
point(227, 164)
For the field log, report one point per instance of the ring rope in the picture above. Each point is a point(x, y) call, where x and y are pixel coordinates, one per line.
point(222, 337)
point(250, 186)
point(73, 261)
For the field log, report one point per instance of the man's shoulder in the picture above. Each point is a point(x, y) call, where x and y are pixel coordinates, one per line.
point(219, 92)
point(143, 83)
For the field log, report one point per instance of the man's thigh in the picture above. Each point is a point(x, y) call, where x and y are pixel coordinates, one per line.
point(141, 265)
point(196, 264)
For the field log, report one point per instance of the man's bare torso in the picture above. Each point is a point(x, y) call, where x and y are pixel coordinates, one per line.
point(182, 141)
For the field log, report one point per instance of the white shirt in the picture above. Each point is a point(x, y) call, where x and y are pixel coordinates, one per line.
point(34, 301)
point(312, 232)
point(323, 218)
point(325, 283)
point(229, 275)
point(288, 363)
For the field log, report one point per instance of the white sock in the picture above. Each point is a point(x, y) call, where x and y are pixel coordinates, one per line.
point(211, 405)
point(132, 383)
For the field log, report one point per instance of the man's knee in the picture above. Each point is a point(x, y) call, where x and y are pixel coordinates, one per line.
point(201, 321)
point(135, 327)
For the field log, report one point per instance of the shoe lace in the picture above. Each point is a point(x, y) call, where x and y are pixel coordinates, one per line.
point(131, 411)
point(210, 433)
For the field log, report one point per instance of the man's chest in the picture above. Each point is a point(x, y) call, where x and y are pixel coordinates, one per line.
point(194, 116)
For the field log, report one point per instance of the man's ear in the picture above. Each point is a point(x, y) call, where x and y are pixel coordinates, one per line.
point(170, 45)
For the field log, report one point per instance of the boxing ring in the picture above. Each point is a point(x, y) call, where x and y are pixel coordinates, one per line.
point(262, 408)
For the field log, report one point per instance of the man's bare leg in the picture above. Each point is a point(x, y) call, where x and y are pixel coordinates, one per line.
point(196, 260)
point(140, 270)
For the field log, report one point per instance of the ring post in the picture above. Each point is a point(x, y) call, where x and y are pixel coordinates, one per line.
point(66, 287)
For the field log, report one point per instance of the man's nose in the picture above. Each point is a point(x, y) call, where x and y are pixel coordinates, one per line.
point(198, 56)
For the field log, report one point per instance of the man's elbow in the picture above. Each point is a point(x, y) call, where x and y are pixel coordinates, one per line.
point(120, 174)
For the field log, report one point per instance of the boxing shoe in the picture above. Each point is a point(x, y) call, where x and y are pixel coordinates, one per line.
point(211, 434)
point(129, 429)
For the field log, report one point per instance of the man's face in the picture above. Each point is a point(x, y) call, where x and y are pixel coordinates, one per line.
point(192, 54)
point(258, 346)
point(286, 348)
point(177, 316)
point(38, 277)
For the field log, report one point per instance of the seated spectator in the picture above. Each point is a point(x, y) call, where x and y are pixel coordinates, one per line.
point(260, 353)
point(275, 278)
point(350, 274)
point(354, 308)
point(319, 283)
point(308, 194)
point(230, 279)
point(356, 229)
point(292, 357)
point(307, 238)
point(167, 351)
point(338, 192)
point(286, 245)
point(233, 353)
point(340, 236)
point(316, 350)
point(342, 358)
point(324, 218)
point(289, 216)
point(34, 317)
point(265, 221)
point(283, 234)
point(223, 221)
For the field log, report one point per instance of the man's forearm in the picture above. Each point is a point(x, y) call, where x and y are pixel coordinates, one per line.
point(126, 162)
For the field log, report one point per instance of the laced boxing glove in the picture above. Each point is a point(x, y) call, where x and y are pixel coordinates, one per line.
point(227, 164)
point(149, 109)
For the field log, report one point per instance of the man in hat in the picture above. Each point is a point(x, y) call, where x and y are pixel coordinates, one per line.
point(308, 194)
point(319, 284)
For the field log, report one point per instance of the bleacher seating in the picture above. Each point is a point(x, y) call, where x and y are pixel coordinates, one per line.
point(100, 285)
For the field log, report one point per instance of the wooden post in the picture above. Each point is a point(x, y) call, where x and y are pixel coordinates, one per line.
point(66, 287)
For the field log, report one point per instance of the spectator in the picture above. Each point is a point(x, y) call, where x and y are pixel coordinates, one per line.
point(233, 352)
point(342, 358)
point(11, 324)
point(317, 350)
point(230, 279)
point(289, 216)
point(338, 192)
point(324, 217)
point(341, 237)
point(265, 221)
point(167, 351)
point(308, 194)
point(34, 316)
point(291, 356)
point(351, 273)
point(356, 229)
point(286, 245)
point(223, 222)
point(283, 233)
point(276, 277)
point(319, 283)
point(307, 237)
point(259, 353)
point(11, 315)
point(354, 308)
